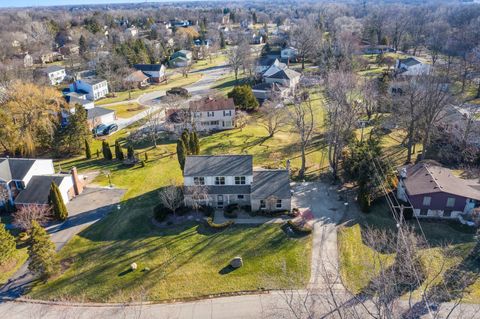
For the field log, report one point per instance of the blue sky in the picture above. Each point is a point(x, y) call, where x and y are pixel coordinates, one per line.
point(28, 3)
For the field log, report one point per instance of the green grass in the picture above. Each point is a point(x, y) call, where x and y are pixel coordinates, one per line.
point(356, 258)
point(227, 83)
point(207, 63)
point(184, 262)
point(10, 267)
point(126, 110)
point(173, 81)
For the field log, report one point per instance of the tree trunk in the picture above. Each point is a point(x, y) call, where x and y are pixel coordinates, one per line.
point(425, 143)
point(410, 142)
point(301, 173)
point(303, 62)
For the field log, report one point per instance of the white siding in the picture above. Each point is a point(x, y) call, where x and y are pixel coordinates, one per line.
point(64, 187)
point(40, 167)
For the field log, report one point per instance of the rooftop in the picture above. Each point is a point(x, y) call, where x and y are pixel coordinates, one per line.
point(92, 81)
point(285, 74)
point(15, 168)
point(148, 67)
point(268, 183)
point(424, 178)
point(212, 104)
point(38, 189)
point(136, 76)
point(97, 112)
point(53, 68)
point(218, 165)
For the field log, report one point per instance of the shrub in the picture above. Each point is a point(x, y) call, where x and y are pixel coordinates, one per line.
point(224, 225)
point(246, 208)
point(268, 213)
point(243, 98)
point(160, 212)
point(229, 211)
point(59, 209)
point(299, 229)
point(207, 210)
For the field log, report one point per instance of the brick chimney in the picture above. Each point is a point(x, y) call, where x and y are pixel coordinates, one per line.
point(77, 184)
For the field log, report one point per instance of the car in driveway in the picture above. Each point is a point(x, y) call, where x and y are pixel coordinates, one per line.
point(178, 91)
point(110, 129)
point(99, 129)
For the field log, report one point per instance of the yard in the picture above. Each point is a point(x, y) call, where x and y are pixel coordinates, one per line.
point(9, 268)
point(356, 257)
point(126, 110)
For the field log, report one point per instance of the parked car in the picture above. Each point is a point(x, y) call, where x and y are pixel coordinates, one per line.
point(110, 129)
point(98, 130)
point(178, 91)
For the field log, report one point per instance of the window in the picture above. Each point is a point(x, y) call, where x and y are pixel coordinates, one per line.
point(239, 180)
point(227, 113)
point(427, 200)
point(240, 196)
point(450, 201)
point(279, 203)
point(447, 213)
point(262, 204)
point(219, 180)
point(423, 212)
point(199, 180)
point(210, 114)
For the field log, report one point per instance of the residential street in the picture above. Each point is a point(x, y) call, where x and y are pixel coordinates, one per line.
point(84, 210)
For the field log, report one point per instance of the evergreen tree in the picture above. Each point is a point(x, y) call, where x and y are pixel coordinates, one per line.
point(186, 141)
point(41, 252)
point(58, 206)
point(222, 40)
point(118, 151)
point(107, 152)
point(243, 98)
point(130, 152)
point(82, 44)
point(181, 153)
point(69, 139)
point(195, 143)
point(7, 244)
point(88, 151)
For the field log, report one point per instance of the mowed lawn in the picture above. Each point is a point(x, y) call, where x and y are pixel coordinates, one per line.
point(126, 110)
point(356, 256)
point(10, 267)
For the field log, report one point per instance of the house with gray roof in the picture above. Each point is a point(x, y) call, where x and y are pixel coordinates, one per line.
point(231, 179)
point(27, 181)
point(54, 74)
point(180, 59)
point(94, 88)
point(411, 66)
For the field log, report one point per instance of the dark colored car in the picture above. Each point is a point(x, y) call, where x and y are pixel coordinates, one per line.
point(110, 129)
point(98, 130)
point(178, 91)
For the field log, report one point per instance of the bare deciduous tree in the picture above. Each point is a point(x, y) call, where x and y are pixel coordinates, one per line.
point(154, 120)
point(272, 116)
point(306, 39)
point(24, 217)
point(171, 197)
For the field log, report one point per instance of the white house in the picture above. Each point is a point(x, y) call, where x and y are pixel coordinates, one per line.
point(275, 67)
point(180, 59)
point(155, 72)
point(287, 77)
point(55, 74)
point(411, 67)
point(27, 181)
point(94, 88)
point(289, 54)
point(264, 91)
point(231, 179)
point(206, 114)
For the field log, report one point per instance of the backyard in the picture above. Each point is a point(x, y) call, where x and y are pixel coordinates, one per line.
point(126, 110)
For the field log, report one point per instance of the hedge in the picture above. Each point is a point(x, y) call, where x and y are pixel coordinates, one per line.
point(207, 210)
point(229, 210)
point(224, 225)
point(161, 213)
point(266, 213)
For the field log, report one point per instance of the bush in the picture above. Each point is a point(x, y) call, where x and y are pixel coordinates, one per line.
point(246, 208)
point(229, 211)
point(299, 229)
point(224, 225)
point(160, 212)
point(243, 98)
point(267, 213)
point(207, 210)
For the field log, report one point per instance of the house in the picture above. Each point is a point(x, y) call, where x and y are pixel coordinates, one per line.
point(199, 43)
point(27, 181)
point(24, 59)
point(264, 91)
point(206, 114)
point(275, 67)
point(100, 115)
point(411, 67)
point(69, 49)
point(289, 54)
point(264, 63)
point(48, 57)
point(95, 115)
point(74, 98)
point(257, 39)
point(54, 74)
point(131, 32)
point(434, 191)
point(231, 179)
point(375, 49)
point(155, 72)
point(94, 88)
point(286, 77)
point(180, 59)
point(136, 79)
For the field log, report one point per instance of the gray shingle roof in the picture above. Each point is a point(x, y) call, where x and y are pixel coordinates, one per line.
point(15, 168)
point(148, 67)
point(285, 74)
point(218, 165)
point(38, 189)
point(97, 112)
point(268, 183)
point(53, 68)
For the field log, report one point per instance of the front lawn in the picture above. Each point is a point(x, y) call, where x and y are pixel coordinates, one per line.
point(8, 269)
point(126, 110)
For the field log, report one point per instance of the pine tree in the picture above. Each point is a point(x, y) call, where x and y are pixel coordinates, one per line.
point(59, 209)
point(130, 152)
point(222, 40)
point(186, 141)
point(88, 151)
point(107, 152)
point(195, 143)
point(181, 153)
point(118, 151)
point(82, 44)
point(41, 252)
point(7, 245)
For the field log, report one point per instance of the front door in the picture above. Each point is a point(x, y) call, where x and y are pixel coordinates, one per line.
point(220, 201)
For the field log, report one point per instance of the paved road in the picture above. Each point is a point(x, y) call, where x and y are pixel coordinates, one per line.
point(84, 210)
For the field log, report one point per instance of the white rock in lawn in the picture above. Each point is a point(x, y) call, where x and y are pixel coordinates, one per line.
point(133, 266)
point(236, 262)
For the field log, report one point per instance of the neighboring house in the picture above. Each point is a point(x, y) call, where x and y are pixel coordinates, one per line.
point(434, 191)
point(155, 72)
point(136, 79)
point(180, 59)
point(131, 32)
point(24, 59)
point(27, 181)
point(94, 88)
point(264, 63)
point(73, 99)
point(49, 57)
point(206, 114)
point(100, 115)
point(275, 67)
point(375, 49)
point(54, 74)
point(199, 43)
point(229, 179)
point(264, 91)
point(256, 39)
point(289, 54)
point(69, 49)
point(287, 77)
point(411, 67)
